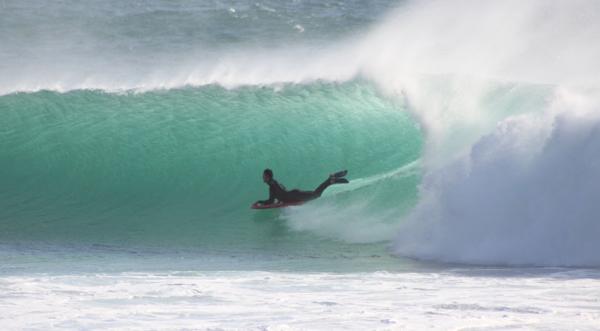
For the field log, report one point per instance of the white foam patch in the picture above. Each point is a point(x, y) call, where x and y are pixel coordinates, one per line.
point(290, 301)
point(355, 224)
point(525, 194)
point(407, 170)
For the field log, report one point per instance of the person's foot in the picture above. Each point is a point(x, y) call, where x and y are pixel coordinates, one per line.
point(338, 177)
point(340, 174)
point(332, 179)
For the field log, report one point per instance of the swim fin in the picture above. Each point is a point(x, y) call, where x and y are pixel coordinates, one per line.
point(340, 174)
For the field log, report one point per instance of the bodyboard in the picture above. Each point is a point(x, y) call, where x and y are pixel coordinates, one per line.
point(277, 205)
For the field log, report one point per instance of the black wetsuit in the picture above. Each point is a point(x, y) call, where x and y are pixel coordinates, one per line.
point(278, 191)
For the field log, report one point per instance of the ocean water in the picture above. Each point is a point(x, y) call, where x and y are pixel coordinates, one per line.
point(133, 136)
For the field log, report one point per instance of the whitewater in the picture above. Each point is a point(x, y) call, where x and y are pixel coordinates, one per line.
point(133, 138)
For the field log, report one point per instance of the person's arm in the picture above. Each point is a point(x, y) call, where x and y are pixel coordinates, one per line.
point(271, 197)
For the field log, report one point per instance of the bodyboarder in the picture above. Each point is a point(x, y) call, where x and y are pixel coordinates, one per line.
point(279, 193)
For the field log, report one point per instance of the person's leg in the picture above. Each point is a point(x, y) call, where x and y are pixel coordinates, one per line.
point(319, 190)
point(297, 195)
point(331, 180)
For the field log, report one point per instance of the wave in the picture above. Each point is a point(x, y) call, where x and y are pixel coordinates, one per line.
point(510, 117)
point(181, 167)
point(524, 194)
point(504, 93)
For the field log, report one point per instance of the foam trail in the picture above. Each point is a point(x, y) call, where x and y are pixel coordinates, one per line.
point(345, 214)
point(409, 169)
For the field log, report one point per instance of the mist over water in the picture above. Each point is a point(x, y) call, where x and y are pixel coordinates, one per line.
point(508, 95)
point(175, 108)
point(163, 44)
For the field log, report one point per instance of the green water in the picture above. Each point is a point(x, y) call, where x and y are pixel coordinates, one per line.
point(179, 168)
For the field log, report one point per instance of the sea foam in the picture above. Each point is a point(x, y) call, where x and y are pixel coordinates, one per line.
point(507, 94)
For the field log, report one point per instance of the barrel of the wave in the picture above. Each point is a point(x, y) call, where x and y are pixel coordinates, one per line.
point(179, 167)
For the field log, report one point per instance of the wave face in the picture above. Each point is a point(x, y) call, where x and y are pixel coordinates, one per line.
point(181, 167)
point(169, 113)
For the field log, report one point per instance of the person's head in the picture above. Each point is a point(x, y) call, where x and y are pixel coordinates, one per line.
point(267, 175)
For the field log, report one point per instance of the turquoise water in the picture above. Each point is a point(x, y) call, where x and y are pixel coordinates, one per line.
point(178, 169)
point(145, 127)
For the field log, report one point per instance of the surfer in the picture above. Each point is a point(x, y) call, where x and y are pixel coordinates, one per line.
point(279, 193)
